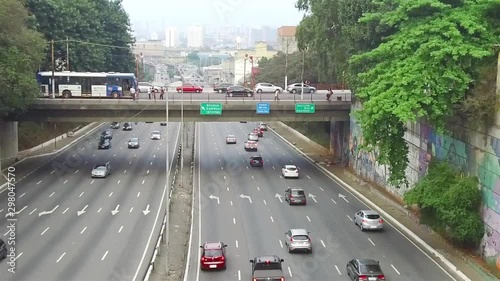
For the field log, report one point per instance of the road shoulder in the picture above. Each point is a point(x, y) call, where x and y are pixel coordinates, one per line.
point(468, 264)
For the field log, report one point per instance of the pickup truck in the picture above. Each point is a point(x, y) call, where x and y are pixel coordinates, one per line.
point(267, 268)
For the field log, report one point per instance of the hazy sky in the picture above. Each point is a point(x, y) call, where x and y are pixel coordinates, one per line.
point(214, 12)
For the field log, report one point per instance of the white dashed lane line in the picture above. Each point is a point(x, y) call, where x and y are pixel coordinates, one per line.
point(308, 176)
point(105, 254)
point(52, 172)
point(338, 270)
point(81, 194)
point(349, 217)
point(234, 220)
point(272, 219)
point(120, 230)
point(52, 194)
point(323, 243)
point(125, 171)
point(59, 259)
point(334, 201)
point(64, 212)
point(92, 182)
point(281, 243)
point(265, 203)
point(65, 181)
point(393, 267)
point(143, 181)
point(44, 231)
point(307, 217)
point(111, 194)
point(22, 195)
point(76, 172)
point(290, 272)
point(39, 182)
point(321, 188)
point(138, 194)
point(28, 214)
point(371, 242)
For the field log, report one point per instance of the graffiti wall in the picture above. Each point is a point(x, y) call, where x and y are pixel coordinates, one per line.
point(477, 155)
point(339, 141)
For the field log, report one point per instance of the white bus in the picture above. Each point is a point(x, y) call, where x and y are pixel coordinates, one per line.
point(86, 84)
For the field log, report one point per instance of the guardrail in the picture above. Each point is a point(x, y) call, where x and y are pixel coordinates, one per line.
point(161, 237)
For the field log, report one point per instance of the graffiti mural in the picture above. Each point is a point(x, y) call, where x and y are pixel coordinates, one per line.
point(339, 141)
point(483, 162)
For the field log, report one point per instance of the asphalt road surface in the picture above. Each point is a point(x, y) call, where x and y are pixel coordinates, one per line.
point(242, 206)
point(66, 229)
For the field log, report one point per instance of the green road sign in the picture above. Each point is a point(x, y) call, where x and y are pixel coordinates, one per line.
point(305, 108)
point(210, 108)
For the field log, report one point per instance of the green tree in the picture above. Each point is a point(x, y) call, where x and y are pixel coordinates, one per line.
point(99, 33)
point(421, 71)
point(21, 52)
point(193, 58)
point(450, 204)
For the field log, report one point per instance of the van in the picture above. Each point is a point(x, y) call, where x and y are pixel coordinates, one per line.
point(3, 250)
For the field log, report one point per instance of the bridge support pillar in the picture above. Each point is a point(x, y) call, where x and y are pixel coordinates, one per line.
point(339, 141)
point(8, 143)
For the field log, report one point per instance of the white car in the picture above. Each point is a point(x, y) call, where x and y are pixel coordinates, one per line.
point(231, 139)
point(155, 135)
point(267, 88)
point(290, 171)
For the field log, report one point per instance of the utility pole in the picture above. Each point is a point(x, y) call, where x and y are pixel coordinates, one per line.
point(52, 82)
point(286, 63)
point(302, 77)
point(67, 53)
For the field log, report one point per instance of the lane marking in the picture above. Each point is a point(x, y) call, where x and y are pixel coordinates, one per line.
point(290, 271)
point(114, 155)
point(18, 256)
point(274, 168)
point(44, 231)
point(125, 171)
point(349, 217)
point(323, 243)
point(138, 194)
point(321, 188)
point(236, 243)
point(93, 156)
point(227, 188)
point(52, 172)
point(308, 176)
point(130, 163)
point(28, 214)
point(231, 203)
point(65, 181)
point(6, 233)
point(258, 188)
point(110, 194)
point(239, 275)
point(118, 182)
point(85, 163)
point(39, 182)
point(92, 182)
point(308, 218)
point(65, 211)
point(253, 177)
point(334, 201)
point(99, 210)
point(147, 172)
point(22, 195)
point(393, 267)
point(265, 203)
point(143, 181)
point(131, 209)
point(234, 221)
point(120, 230)
point(59, 259)
point(76, 172)
point(151, 164)
point(52, 194)
point(338, 270)
point(105, 254)
point(272, 219)
point(81, 194)
point(281, 243)
point(371, 242)
point(83, 230)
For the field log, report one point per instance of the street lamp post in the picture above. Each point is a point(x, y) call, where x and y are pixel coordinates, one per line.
point(245, 70)
point(251, 73)
point(302, 78)
point(286, 62)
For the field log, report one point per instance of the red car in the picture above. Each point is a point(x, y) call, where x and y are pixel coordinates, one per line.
point(213, 255)
point(259, 132)
point(189, 88)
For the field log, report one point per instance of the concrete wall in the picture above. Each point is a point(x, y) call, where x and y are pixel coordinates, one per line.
point(8, 142)
point(474, 153)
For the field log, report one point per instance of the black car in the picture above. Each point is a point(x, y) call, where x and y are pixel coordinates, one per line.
point(222, 88)
point(3, 250)
point(127, 127)
point(104, 144)
point(239, 91)
point(107, 134)
point(256, 161)
point(163, 123)
point(115, 125)
point(364, 269)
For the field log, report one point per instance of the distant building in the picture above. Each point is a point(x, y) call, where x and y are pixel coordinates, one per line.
point(195, 36)
point(150, 48)
point(171, 37)
point(286, 39)
point(242, 65)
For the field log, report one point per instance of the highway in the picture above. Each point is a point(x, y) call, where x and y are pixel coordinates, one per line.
point(242, 207)
point(73, 227)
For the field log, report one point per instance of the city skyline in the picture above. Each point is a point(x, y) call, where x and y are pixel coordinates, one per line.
point(213, 13)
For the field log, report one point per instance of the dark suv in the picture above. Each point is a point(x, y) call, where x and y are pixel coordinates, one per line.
point(295, 196)
point(256, 161)
point(267, 268)
point(127, 127)
point(104, 144)
point(107, 134)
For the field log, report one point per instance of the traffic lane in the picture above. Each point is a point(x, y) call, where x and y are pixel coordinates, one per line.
point(407, 253)
point(101, 186)
point(95, 202)
point(217, 224)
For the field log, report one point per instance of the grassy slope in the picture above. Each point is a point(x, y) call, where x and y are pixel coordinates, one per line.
point(316, 131)
point(31, 134)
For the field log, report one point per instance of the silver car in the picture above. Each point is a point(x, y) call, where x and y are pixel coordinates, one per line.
point(297, 88)
point(298, 240)
point(133, 143)
point(368, 220)
point(155, 135)
point(267, 88)
point(231, 139)
point(253, 137)
point(101, 170)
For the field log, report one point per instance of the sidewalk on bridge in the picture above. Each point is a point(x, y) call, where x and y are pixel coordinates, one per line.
point(30, 159)
point(472, 266)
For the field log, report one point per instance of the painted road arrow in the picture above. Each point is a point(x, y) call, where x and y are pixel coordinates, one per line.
point(79, 213)
point(147, 210)
point(343, 197)
point(313, 197)
point(279, 197)
point(48, 212)
point(247, 197)
point(16, 213)
point(115, 211)
point(214, 197)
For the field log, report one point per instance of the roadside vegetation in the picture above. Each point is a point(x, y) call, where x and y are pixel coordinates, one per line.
point(31, 134)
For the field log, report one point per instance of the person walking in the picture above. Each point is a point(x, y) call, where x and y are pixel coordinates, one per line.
point(132, 93)
point(149, 92)
point(329, 95)
point(162, 93)
point(276, 96)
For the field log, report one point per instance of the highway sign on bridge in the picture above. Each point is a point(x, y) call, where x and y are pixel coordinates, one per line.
point(305, 108)
point(263, 108)
point(210, 108)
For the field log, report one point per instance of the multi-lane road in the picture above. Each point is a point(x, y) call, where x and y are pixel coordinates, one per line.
point(73, 227)
point(242, 206)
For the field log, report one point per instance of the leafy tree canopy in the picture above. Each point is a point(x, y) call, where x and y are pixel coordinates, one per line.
point(21, 52)
point(193, 57)
point(273, 70)
point(421, 70)
point(98, 30)
point(449, 203)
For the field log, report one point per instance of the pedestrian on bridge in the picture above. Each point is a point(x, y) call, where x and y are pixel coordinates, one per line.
point(276, 96)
